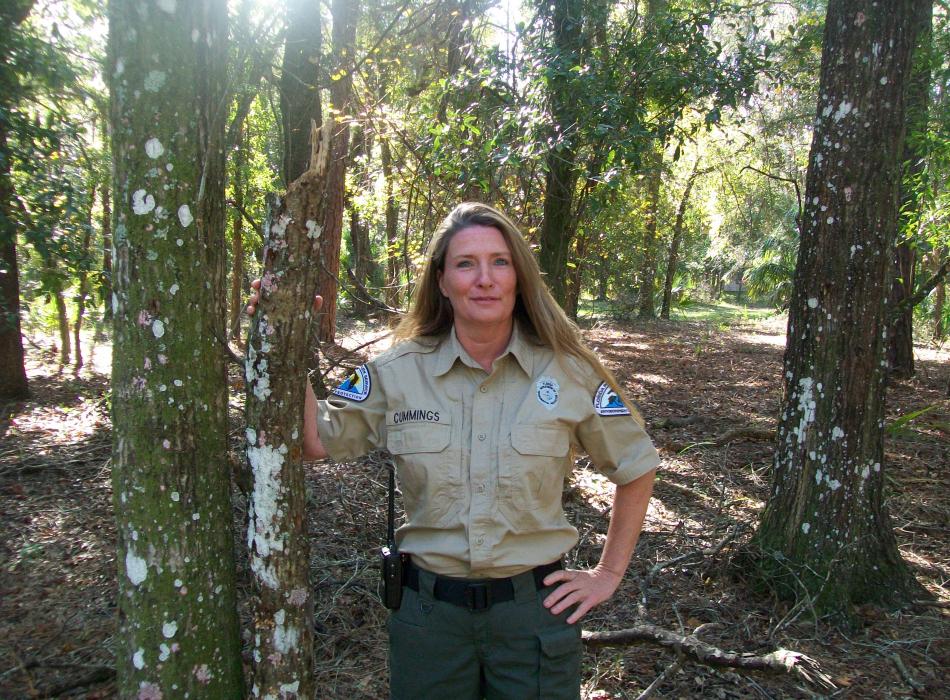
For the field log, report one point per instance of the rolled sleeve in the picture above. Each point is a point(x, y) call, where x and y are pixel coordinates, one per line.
point(350, 428)
point(618, 446)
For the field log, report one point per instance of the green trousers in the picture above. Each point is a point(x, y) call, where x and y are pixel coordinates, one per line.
point(515, 650)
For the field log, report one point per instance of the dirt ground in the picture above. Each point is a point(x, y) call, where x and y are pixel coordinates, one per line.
point(57, 563)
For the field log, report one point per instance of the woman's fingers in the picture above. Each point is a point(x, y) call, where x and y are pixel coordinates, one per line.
point(255, 297)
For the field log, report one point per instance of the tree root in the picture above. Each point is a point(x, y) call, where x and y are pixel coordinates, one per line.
point(691, 647)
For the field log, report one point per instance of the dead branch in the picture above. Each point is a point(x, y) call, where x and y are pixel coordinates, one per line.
point(696, 553)
point(676, 422)
point(778, 661)
point(743, 434)
point(915, 685)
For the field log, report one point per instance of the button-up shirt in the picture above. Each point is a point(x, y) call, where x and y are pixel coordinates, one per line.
point(481, 457)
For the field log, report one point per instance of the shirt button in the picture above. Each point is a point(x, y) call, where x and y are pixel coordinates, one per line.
point(479, 488)
point(481, 436)
point(480, 541)
point(483, 388)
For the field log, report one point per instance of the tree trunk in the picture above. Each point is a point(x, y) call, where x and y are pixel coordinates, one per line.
point(299, 88)
point(392, 227)
point(278, 351)
point(178, 634)
point(940, 297)
point(107, 248)
point(558, 225)
point(653, 162)
point(825, 531)
point(345, 13)
point(362, 260)
point(13, 383)
point(900, 351)
point(62, 322)
point(575, 274)
point(237, 238)
point(677, 240)
point(82, 290)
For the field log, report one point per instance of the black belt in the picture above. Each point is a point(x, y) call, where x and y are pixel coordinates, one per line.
point(477, 594)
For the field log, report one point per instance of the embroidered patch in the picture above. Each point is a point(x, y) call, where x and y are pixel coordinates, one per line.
point(357, 385)
point(548, 392)
point(607, 403)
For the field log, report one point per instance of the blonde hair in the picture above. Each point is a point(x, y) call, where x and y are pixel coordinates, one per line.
point(430, 313)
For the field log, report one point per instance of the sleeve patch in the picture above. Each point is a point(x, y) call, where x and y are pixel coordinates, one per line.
point(607, 403)
point(357, 385)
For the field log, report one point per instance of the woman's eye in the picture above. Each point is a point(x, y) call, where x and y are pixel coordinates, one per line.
point(502, 261)
point(464, 263)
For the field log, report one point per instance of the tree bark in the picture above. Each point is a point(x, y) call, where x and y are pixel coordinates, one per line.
point(345, 13)
point(299, 84)
point(392, 226)
point(178, 633)
point(278, 351)
point(62, 322)
point(237, 238)
point(107, 248)
point(825, 531)
point(940, 297)
point(900, 351)
point(362, 261)
point(82, 290)
point(653, 162)
point(13, 382)
point(558, 225)
point(677, 240)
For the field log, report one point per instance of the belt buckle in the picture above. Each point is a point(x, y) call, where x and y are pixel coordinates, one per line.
point(478, 596)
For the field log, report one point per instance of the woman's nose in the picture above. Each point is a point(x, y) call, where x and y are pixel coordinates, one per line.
point(485, 278)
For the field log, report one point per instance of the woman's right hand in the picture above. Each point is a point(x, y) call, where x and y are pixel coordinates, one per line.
point(256, 297)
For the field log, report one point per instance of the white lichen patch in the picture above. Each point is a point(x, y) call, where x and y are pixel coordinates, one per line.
point(203, 673)
point(251, 436)
point(149, 691)
point(168, 6)
point(164, 652)
point(138, 659)
point(158, 328)
point(264, 534)
point(169, 629)
point(154, 80)
point(812, 304)
point(135, 567)
point(286, 636)
point(837, 433)
point(289, 690)
point(184, 216)
point(154, 148)
point(806, 527)
point(142, 202)
point(844, 109)
point(313, 229)
point(806, 406)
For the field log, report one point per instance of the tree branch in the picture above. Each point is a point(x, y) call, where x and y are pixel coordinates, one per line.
point(798, 194)
point(922, 291)
point(778, 661)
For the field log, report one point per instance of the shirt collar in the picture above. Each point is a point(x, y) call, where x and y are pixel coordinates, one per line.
point(451, 350)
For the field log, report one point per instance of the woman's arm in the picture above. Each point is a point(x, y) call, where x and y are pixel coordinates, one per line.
point(586, 589)
point(312, 445)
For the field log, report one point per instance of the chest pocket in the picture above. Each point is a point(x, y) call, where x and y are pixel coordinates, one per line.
point(531, 474)
point(428, 468)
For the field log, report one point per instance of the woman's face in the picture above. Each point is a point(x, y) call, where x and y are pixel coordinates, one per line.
point(479, 278)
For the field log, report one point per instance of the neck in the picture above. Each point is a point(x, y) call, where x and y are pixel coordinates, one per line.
point(485, 344)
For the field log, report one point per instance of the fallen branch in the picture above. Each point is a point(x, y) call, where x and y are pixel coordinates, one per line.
point(675, 422)
point(744, 434)
point(778, 661)
point(701, 553)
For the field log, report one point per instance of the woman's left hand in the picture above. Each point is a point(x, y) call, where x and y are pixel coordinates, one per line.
point(583, 588)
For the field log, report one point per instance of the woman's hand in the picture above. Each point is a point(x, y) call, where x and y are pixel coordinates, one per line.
point(256, 297)
point(583, 588)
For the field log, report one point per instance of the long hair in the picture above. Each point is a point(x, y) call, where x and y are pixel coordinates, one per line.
point(430, 314)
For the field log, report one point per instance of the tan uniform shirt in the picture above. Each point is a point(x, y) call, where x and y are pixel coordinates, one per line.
point(481, 458)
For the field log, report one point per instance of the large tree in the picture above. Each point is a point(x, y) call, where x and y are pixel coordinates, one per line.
point(179, 632)
point(13, 384)
point(825, 531)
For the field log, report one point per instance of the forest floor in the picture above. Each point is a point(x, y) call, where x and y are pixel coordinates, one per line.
point(57, 563)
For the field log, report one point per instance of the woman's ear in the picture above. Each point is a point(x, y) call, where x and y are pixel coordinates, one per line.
point(441, 288)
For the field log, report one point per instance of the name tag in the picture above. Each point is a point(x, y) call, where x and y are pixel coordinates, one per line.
point(415, 415)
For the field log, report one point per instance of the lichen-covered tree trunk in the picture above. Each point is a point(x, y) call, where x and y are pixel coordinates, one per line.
point(825, 532)
point(653, 162)
point(237, 239)
point(178, 633)
point(940, 298)
point(345, 13)
point(276, 368)
point(107, 248)
point(392, 226)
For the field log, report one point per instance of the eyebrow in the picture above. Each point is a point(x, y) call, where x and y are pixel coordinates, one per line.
point(501, 253)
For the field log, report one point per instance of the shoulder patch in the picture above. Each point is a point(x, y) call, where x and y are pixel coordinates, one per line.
point(607, 403)
point(357, 386)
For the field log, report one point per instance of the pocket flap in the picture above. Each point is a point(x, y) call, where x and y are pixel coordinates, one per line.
point(544, 440)
point(431, 437)
point(559, 641)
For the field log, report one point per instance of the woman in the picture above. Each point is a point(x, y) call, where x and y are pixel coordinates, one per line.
point(481, 405)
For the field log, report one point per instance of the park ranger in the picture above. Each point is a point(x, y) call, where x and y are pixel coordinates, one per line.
point(482, 402)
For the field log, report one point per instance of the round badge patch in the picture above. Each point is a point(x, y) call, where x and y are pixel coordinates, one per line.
point(357, 385)
point(548, 392)
point(607, 403)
